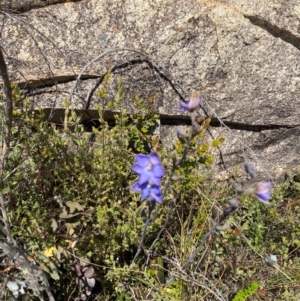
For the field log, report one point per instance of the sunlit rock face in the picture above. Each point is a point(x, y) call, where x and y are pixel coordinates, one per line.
point(242, 55)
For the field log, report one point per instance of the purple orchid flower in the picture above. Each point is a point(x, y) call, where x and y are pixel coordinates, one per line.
point(148, 191)
point(193, 104)
point(151, 171)
point(263, 192)
point(149, 168)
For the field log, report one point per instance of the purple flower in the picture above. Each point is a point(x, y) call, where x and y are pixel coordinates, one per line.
point(149, 169)
point(148, 190)
point(263, 192)
point(150, 173)
point(193, 104)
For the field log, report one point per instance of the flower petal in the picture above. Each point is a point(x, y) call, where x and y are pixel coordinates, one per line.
point(145, 193)
point(263, 192)
point(158, 170)
point(136, 187)
point(184, 105)
point(154, 158)
point(155, 181)
point(145, 176)
point(195, 101)
point(193, 104)
point(263, 200)
point(156, 194)
point(137, 168)
point(142, 160)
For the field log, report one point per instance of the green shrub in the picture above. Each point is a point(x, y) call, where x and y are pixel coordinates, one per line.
point(69, 198)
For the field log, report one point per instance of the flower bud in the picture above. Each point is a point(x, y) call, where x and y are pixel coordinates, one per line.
point(250, 170)
point(237, 187)
point(228, 210)
point(182, 138)
point(234, 203)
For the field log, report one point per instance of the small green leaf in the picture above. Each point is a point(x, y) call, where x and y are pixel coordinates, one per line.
point(73, 206)
point(57, 254)
point(215, 143)
point(54, 275)
point(206, 123)
point(64, 214)
point(209, 160)
point(202, 148)
point(44, 268)
point(42, 257)
point(144, 130)
point(54, 225)
point(65, 103)
point(221, 140)
point(72, 225)
point(73, 114)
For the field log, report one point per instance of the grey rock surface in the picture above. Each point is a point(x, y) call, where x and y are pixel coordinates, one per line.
point(242, 55)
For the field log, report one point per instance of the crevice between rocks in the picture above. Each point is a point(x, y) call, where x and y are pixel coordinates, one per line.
point(22, 6)
point(215, 122)
point(90, 118)
point(275, 31)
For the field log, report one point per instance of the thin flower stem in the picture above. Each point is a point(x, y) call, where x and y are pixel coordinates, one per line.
point(164, 226)
point(151, 220)
point(139, 250)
